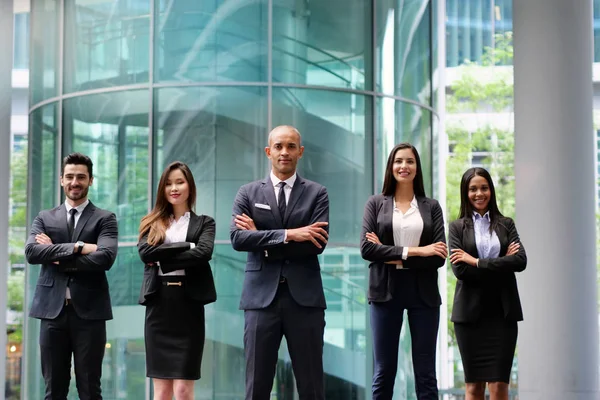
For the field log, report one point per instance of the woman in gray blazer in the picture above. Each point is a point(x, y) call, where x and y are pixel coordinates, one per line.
point(403, 238)
point(486, 253)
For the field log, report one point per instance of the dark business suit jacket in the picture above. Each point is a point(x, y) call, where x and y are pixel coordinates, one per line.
point(200, 285)
point(268, 256)
point(378, 218)
point(84, 274)
point(492, 272)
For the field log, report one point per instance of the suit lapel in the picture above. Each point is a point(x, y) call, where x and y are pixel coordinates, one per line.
point(296, 193)
point(269, 193)
point(502, 234)
point(470, 246)
point(388, 218)
point(425, 211)
point(61, 214)
point(193, 227)
point(85, 216)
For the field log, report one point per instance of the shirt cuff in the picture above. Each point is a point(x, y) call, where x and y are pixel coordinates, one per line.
point(285, 236)
point(404, 253)
point(192, 245)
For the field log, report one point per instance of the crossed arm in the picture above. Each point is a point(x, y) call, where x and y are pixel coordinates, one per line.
point(99, 256)
point(300, 242)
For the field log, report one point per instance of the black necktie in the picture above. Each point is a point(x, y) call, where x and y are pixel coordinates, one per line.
point(281, 199)
point(71, 222)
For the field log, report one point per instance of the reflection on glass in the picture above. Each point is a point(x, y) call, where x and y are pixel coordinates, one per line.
point(112, 129)
point(21, 41)
point(106, 43)
point(44, 49)
point(404, 49)
point(44, 182)
point(325, 43)
point(208, 41)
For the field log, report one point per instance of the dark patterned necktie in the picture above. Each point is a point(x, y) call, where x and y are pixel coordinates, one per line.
point(281, 200)
point(71, 222)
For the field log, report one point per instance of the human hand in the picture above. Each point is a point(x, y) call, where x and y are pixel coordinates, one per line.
point(459, 255)
point(42, 238)
point(372, 237)
point(435, 249)
point(309, 233)
point(244, 223)
point(89, 248)
point(513, 249)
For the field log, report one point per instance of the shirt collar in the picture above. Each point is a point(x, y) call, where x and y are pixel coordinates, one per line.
point(289, 181)
point(184, 217)
point(79, 208)
point(413, 203)
point(485, 216)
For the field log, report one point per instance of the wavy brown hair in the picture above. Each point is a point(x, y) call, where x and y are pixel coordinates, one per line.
point(155, 224)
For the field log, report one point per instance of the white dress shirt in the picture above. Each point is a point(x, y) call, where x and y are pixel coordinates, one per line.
point(177, 232)
point(488, 244)
point(287, 189)
point(407, 227)
point(79, 209)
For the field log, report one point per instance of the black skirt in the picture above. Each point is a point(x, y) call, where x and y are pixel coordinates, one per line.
point(487, 348)
point(174, 333)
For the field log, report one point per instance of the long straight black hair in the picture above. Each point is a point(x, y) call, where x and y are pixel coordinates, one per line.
point(466, 209)
point(389, 182)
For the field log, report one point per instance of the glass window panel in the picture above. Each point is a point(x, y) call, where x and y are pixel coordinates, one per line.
point(325, 43)
point(404, 49)
point(106, 43)
point(21, 41)
point(403, 122)
point(112, 129)
point(44, 43)
point(44, 182)
point(209, 41)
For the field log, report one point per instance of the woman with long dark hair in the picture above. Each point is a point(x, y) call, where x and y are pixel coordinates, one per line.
point(403, 238)
point(485, 254)
point(175, 245)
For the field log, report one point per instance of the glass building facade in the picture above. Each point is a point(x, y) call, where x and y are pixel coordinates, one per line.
point(136, 84)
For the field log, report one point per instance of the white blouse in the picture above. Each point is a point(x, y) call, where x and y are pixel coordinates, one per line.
point(407, 227)
point(177, 232)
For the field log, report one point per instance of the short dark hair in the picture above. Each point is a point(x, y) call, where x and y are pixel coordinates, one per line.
point(466, 209)
point(389, 182)
point(77, 159)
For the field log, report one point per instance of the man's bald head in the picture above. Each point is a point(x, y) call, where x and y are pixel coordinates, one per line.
point(284, 129)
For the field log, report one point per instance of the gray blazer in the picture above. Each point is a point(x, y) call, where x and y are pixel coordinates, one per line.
point(378, 218)
point(85, 274)
point(268, 256)
point(498, 272)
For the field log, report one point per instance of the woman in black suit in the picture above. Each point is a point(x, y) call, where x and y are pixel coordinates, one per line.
point(403, 238)
point(485, 254)
point(175, 245)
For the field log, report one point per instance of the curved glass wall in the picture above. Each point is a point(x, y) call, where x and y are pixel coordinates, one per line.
point(142, 83)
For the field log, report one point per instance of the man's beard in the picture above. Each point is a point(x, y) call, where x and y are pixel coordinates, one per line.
point(82, 194)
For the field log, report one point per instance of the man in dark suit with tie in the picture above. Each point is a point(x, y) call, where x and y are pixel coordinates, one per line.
point(76, 243)
point(282, 222)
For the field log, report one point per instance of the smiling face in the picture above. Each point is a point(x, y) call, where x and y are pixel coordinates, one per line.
point(177, 190)
point(76, 182)
point(404, 167)
point(284, 151)
point(479, 194)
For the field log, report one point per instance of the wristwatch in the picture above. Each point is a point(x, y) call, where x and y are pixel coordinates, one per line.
point(80, 245)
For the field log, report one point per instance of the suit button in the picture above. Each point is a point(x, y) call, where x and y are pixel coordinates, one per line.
point(287, 261)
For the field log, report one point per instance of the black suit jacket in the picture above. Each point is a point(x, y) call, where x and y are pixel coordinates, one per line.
point(200, 285)
point(84, 274)
point(378, 218)
point(268, 256)
point(492, 272)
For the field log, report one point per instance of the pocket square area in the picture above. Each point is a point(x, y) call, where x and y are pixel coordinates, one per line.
point(263, 206)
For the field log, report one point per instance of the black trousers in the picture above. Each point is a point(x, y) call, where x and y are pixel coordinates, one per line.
point(386, 324)
point(303, 328)
point(69, 336)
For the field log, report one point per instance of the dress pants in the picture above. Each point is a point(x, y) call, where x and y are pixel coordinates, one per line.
point(386, 324)
point(303, 328)
point(65, 336)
